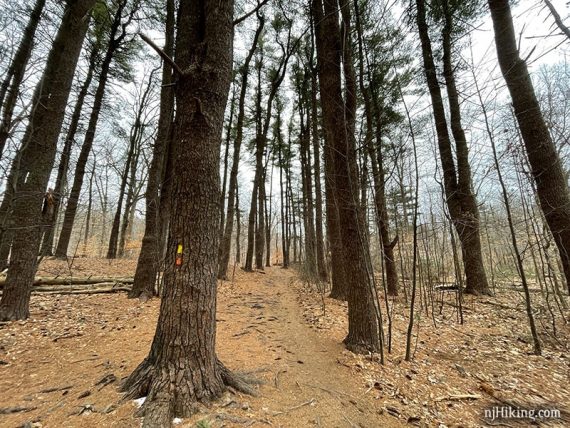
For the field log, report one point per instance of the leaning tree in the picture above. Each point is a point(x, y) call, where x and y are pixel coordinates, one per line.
point(38, 155)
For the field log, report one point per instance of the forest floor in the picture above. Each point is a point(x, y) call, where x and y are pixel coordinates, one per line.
point(61, 368)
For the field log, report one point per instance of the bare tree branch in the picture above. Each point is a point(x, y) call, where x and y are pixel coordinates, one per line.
point(557, 18)
point(163, 54)
point(247, 15)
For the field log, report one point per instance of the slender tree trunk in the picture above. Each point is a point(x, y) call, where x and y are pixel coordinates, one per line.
point(89, 209)
point(319, 234)
point(7, 229)
point(252, 220)
point(49, 236)
point(148, 263)
point(129, 205)
point(514, 241)
point(73, 201)
point(226, 161)
point(38, 155)
point(306, 178)
point(10, 89)
point(182, 369)
point(260, 228)
point(114, 238)
point(547, 169)
point(238, 230)
point(282, 193)
point(268, 215)
point(225, 246)
point(457, 182)
point(165, 199)
point(378, 174)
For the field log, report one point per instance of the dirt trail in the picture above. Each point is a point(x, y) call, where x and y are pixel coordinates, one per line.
point(61, 368)
point(307, 382)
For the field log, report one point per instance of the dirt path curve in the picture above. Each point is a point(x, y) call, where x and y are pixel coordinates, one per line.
point(304, 379)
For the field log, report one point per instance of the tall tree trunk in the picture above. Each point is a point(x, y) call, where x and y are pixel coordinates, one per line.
point(376, 158)
point(49, 236)
point(226, 243)
point(282, 163)
point(268, 215)
point(114, 237)
point(165, 200)
point(129, 205)
point(457, 182)
point(319, 234)
point(253, 221)
point(544, 160)
point(226, 162)
point(115, 39)
point(306, 180)
point(10, 89)
point(89, 210)
point(182, 368)
point(260, 228)
point(363, 329)
point(148, 263)
point(38, 155)
point(6, 221)
point(261, 144)
point(238, 229)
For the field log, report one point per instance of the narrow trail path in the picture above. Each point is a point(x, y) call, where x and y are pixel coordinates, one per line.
point(304, 380)
point(62, 367)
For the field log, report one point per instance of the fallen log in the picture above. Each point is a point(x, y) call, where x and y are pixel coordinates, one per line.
point(75, 280)
point(103, 287)
point(91, 291)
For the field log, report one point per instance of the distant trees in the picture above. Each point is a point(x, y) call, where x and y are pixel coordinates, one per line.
point(150, 255)
point(37, 156)
point(547, 169)
point(459, 194)
point(119, 14)
point(10, 87)
point(244, 71)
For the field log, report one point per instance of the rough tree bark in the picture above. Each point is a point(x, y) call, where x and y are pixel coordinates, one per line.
point(182, 369)
point(363, 331)
point(10, 88)
point(38, 155)
point(148, 263)
point(544, 160)
point(457, 181)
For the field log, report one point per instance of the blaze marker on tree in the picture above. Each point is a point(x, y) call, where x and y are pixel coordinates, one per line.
point(179, 255)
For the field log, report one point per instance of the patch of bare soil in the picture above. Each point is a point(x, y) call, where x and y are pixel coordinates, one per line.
point(62, 367)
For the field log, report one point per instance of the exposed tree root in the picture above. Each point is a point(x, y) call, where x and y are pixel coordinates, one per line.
point(143, 294)
point(360, 347)
point(171, 392)
point(238, 382)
